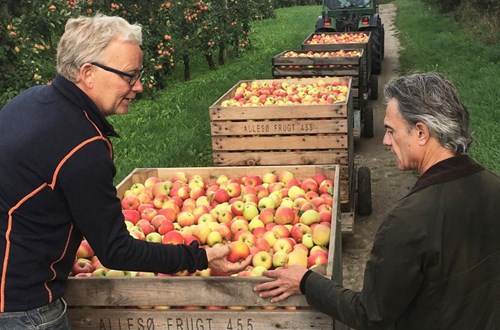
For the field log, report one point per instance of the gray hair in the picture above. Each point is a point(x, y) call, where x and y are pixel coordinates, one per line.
point(433, 100)
point(85, 38)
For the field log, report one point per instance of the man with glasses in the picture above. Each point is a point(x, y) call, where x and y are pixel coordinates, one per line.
point(56, 177)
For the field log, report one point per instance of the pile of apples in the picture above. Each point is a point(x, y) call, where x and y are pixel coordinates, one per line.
point(338, 38)
point(277, 218)
point(310, 53)
point(265, 93)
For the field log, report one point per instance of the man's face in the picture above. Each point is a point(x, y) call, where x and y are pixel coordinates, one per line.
point(112, 92)
point(400, 138)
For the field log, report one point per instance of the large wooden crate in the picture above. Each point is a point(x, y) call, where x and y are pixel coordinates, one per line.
point(112, 303)
point(365, 46)
point(308, 66)
point(317, 134)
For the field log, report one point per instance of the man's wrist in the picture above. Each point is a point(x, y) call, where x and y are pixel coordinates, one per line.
point(303, 281)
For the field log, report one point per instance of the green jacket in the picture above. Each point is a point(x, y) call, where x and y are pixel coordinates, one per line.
point(435, 261)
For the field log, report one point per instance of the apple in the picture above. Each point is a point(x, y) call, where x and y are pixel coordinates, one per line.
point(82, 265)
point(252, 180)
point(116, 273)
point(292, 183)
point(259, 231)
point(99, 272)
point(238, 224)
point(317, 258)
point(298, 230)
point(154, 237)
point(309, 184)
point(295, 191)
point(319, 177)
point(130, 202)
point(225, 216)
point(262, 244)
point(207, 217)
point(321, 234)
point(188, 239)
point(180, 176)
point(214, 237)
point(262, 191)
point(280, 231)
point(267, 216)
point(301, 248)
point(138, 234)
point(262, 258)
point(284, 215)
point(146, 226)
point(84, 250)
point(280, 258)
point(173, 237)
point(239, 251)
point(151, 181)
point(297, 258)
point(255, 223)
point(225, 232)
point(162, 188)
point(245, 236)
point(185, 218)
point(233, 189)
point(271, 237)
point(326, 186)
point(252, 198)
point(202, 230)
point(309, 217)
point(221, 196)
point(149, 213)
point(258, 270)
point(131, 215)
point(307, 240)
point(282, 244)
point(250, 211)
point(285, 176)
point(237, 207)
point(269, 177)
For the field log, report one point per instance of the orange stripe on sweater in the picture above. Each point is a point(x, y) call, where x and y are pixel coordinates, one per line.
point(56, 261)
point(7, 243)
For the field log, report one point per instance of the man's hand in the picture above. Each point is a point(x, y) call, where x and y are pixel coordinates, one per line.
point(217, 260)
point(286, 283)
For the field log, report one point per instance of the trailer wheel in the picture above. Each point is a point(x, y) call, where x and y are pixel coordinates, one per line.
point(364, 202)
point(373, 87)
point(368, 122)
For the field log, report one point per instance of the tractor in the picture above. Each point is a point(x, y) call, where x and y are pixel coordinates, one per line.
point(355, 15)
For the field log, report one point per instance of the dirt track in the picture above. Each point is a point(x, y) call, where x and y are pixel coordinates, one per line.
point(388, 183)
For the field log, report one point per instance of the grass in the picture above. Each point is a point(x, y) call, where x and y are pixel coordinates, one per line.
point(433, 41)
point(173, 130)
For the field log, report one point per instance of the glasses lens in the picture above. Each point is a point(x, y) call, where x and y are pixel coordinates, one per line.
point(134, 79)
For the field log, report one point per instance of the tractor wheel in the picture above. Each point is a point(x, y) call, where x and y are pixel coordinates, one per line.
point(364, 202)
point(377, 45)
point(373, 87)
point(368, 122)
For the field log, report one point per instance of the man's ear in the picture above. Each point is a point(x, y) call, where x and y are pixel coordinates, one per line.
point(422, 132)
point(86, 75)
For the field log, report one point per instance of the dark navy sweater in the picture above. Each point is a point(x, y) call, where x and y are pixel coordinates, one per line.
point(56, 186)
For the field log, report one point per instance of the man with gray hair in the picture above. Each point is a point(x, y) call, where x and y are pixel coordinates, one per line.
point(435, 261)
point(56, 178)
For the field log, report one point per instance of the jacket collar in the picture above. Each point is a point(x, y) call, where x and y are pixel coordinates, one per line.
point(447, 170)
point(81, 100)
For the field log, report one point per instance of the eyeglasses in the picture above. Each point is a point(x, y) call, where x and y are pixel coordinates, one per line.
point(132, 77)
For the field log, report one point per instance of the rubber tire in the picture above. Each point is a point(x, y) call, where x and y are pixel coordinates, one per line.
point(368, 122)
point(377, 45)
point(364, 200)
point(373, 87)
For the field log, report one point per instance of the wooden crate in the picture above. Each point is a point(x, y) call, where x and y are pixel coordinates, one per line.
point(286, 135)
point(112, 303)
point(365, 46)
point(320, 66)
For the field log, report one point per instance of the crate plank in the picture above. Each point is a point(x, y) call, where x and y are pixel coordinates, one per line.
point(252, 319)
point(272, 127)
point(285, 142)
